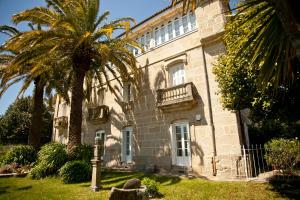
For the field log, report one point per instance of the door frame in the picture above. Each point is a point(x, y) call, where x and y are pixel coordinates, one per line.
point(173, 141)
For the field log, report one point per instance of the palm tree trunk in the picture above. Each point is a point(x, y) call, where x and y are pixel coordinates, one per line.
point(76, 109)
point(34, 136)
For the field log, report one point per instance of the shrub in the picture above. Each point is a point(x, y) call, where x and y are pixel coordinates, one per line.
point(38, 172)
point(283, 154)
point(152, 186)
point(50, 159)
point(83, 152)
point(75, 172)
point(21, 154)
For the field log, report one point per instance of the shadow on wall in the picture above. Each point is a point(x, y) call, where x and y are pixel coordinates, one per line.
point(147, 121)
point(197, 152)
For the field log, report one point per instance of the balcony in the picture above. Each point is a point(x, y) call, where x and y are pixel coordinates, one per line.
point(98, 114)
point(180, 97)
point(61, 122)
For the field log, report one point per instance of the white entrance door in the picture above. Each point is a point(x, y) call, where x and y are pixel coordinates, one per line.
point(101, 134)
point(127, 145)
point(181, 144)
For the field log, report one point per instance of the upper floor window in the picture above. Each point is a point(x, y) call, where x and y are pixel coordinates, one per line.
point(127, 92)
point(147, 41)
point(162, 34)
point(156, 35)
point(167, 32)
point(170, 31)
point(177, 27)
point(176, 75)
point(185, 24)
point(192, 20)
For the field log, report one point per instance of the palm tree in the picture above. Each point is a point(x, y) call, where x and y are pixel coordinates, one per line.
point(83, 44)
point(274, 40)
point(11, 73)
point(269, 45)
point(188, 4)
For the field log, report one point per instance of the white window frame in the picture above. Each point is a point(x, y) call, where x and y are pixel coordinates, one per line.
point(173, 142)
point(175, 21)
point(179, 71)
point(127, 158)
point(102, 135)
point(170, 31)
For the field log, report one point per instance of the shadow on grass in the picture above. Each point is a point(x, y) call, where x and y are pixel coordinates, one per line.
point(286, 186)
point(3, 190)
point(24, 188)
point(111, 179)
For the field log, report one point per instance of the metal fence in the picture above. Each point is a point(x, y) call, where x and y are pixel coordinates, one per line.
point(254, 161)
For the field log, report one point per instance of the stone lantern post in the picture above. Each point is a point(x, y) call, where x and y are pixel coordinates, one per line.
point(96, 163)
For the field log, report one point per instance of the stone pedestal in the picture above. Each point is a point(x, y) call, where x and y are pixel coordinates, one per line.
point(96, 163)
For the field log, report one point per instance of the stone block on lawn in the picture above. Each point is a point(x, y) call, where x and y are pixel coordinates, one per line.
point(132, 184)
point(128, 194)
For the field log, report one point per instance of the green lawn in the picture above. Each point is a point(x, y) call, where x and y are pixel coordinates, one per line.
point(172, 188)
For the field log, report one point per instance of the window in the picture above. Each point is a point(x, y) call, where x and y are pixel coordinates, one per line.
point(101, 134)
point(127, 96)
point(101, 96)
point(127, 144)
point(156, 37)
point(192, 20)
point(147, 42)
point(185, 24)
point(162, 34)
point(177, 27)
point(143, 41)
point(170, 31)
point(176, 75)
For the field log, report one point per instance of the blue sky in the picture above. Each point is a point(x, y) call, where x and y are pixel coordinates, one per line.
point(138, 9)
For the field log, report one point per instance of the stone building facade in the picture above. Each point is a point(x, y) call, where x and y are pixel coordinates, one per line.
point(175, 121)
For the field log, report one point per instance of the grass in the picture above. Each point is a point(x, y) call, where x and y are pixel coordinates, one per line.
point(173, 188)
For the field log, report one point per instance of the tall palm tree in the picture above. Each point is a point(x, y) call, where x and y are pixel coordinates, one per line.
point(82, 42)
point(11, 73)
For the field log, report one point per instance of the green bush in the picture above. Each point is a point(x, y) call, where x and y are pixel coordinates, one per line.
point(37, 172)
point(50, 159)
point(152, 186)
point(283, 154)
point(21, 154)
point(76, 171)
point(83, 152)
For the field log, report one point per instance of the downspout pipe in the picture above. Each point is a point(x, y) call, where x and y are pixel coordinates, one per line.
point(211, 119)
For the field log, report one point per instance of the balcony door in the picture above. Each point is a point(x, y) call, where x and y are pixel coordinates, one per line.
point(127, 145)
point(176, 75)
point(181, 144)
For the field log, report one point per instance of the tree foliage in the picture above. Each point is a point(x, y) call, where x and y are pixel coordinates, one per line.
point(274, 109)
point(81, 42)
point(16, 122)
